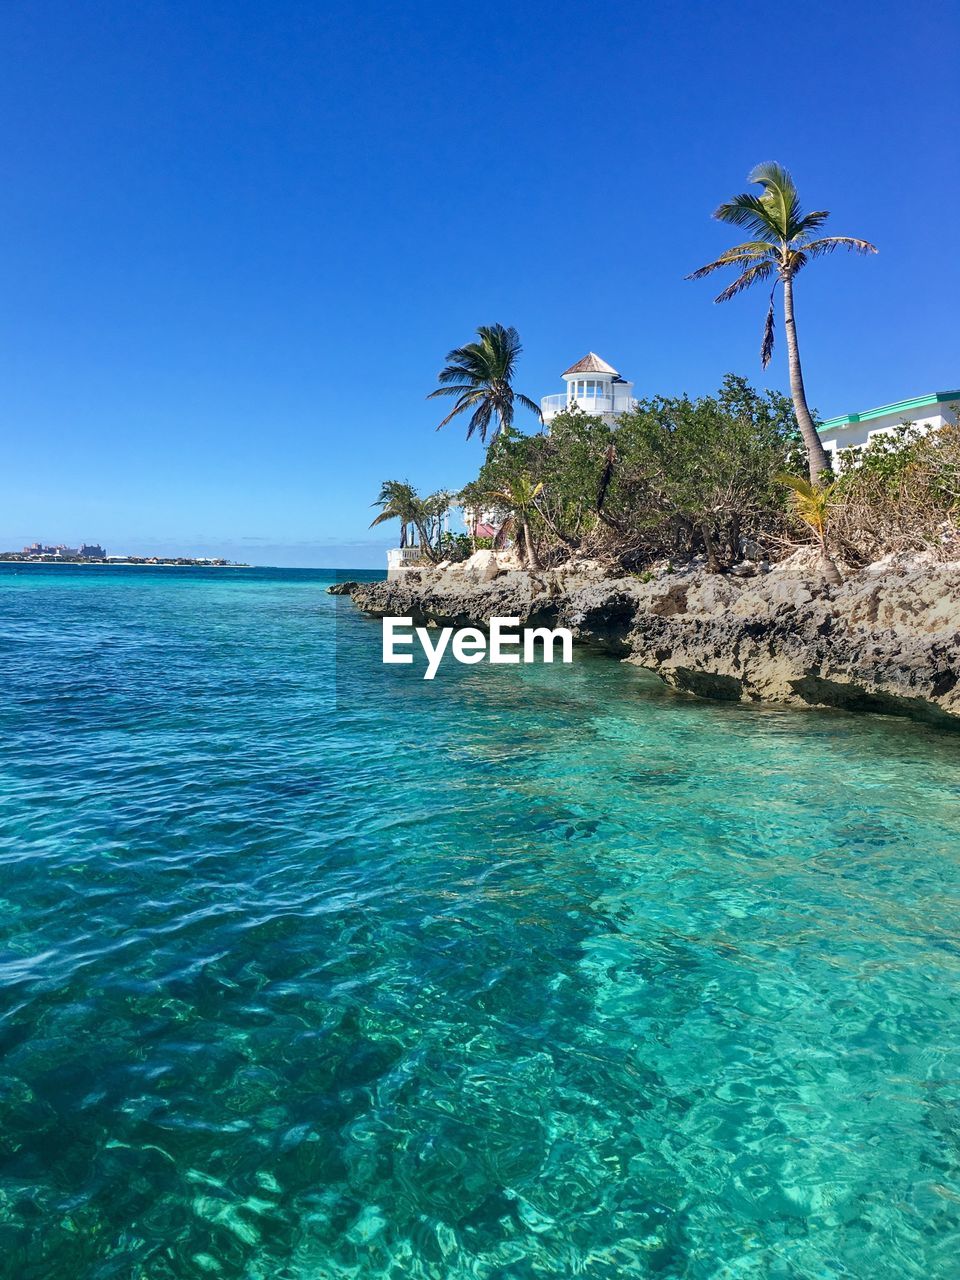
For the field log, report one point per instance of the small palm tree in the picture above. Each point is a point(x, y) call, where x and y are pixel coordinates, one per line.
point(435, 508)
point(784, 241)
point(398, 500)
point(480, 375)
point(519, 500)
point(811, 502)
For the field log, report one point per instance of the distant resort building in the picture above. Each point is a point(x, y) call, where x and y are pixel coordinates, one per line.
point(86, 551)
point(854, 430)
point(593, 386)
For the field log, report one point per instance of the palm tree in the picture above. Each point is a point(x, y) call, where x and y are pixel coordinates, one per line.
point(398, 500)
point(435, 508)
point(519, 499)
point(811, 502)
point(784, 241)
point(480, 376)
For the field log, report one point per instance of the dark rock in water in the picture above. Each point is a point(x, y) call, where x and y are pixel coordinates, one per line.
point(342, 588)
point(886, 640)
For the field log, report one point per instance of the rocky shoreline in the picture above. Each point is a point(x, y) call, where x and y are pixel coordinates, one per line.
point(886, 640)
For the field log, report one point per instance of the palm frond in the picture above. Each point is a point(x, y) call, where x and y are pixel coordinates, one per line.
point(766, 345)
point(811, 501)
point(518, 496)
point(752, 275)
point(811, 221)
point(799, 484)
point(773, 176)
point(747, 210)
point(504, 532)
point(398, 500)
point(739, 255)
point(465, 401)
point(454, 389)
point(830, 244)
point(480, 420)
point(529, 404)
point(463, 362)
point(779, 198)
point(797, 260)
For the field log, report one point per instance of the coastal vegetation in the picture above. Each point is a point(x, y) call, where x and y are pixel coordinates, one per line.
point(811, 502)
point(675, 478)
point(738, 475)
point(714, 477)
point(784, 239)
point(899, 494)
point(519, 502)
point(399, 500)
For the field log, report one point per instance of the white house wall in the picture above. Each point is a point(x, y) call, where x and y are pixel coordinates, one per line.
point(857, 434)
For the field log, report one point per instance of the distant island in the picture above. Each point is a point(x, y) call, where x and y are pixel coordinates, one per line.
point(93, 553)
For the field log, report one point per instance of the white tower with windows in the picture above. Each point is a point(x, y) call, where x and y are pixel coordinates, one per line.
point(593, 386)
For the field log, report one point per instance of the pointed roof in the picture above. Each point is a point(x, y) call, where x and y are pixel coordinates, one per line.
point(591, 363)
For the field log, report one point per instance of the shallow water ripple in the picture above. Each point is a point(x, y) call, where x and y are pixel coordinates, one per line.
point(310, 970)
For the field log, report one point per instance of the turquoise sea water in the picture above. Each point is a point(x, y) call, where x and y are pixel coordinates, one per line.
point(520, 974)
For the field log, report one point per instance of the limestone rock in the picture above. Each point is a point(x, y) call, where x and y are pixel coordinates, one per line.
point(886, 640)
point(482, 566)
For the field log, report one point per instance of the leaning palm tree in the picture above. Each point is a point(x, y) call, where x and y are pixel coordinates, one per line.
point(480, 375)
point(519, 500)
point(811, 502)
point(398, 500)
point(784, 241)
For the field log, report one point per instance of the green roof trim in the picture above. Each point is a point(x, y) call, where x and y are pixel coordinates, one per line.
point(900, 406)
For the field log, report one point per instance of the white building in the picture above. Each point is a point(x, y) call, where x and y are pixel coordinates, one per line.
point(401, 558)
point(595, 387)
point(853, 430)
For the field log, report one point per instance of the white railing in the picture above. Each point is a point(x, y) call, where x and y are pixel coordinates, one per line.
point(550, 406)
point(403, 557)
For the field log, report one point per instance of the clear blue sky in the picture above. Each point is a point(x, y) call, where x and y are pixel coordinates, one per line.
point(237, 239)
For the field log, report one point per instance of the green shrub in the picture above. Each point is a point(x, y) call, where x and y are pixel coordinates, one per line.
point(674, 477)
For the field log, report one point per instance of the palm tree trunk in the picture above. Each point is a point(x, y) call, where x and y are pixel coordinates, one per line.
point(533, 560)
point(425, 545)
point(733, 539)
point(828, 566)
point(830, 571)
point(713, 561)
point(816, 455)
